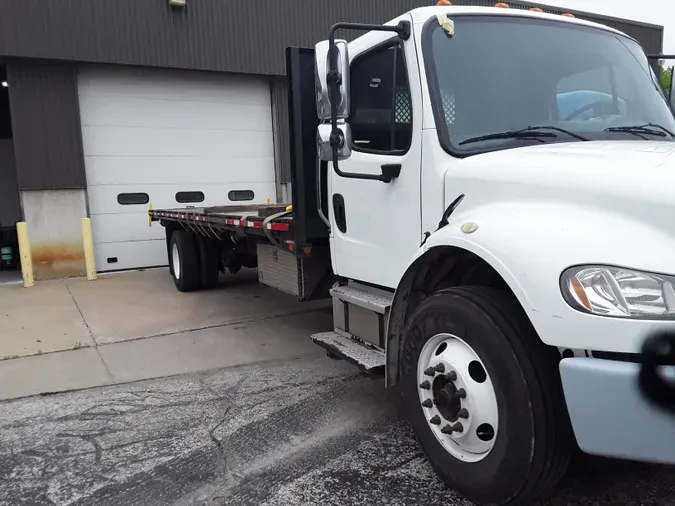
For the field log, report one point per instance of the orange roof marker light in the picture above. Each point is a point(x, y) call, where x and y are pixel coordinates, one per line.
point(536, 9)
point(502, 5)
point(444, 3)
point(568, 15)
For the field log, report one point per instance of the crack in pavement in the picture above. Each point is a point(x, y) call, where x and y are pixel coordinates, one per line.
point(227, 478)
point(79, 310)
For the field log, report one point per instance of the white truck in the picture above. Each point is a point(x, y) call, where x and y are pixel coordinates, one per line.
point(486, 194)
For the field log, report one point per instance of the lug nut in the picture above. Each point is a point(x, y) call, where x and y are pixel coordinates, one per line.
point(446, 429)
point(430, 371)
point(463, 413)
point(425, 385)
point(458, 427)
point(461, 394)
point(435, 420)
point(452, 375)
point(440, 368)
point(428, 403)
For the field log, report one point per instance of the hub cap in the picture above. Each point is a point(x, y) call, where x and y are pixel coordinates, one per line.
point(175, 260)
point(457, 397)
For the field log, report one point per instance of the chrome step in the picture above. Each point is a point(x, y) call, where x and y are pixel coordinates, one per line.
point(367, 357)
point(366, 297)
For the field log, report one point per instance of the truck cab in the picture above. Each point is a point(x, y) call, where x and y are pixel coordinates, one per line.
point(506, 173)
point(485, 194)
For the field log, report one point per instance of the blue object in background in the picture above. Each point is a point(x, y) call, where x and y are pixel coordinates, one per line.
point(575, 100)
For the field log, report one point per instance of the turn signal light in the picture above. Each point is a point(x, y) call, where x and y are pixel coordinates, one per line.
point(536, 9)
point(443, 3)
point(502, 5)
point(568, 15)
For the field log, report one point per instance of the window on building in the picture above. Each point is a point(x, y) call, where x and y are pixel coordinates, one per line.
point(189, 197)
point(131, 199)
point(237, 195)
point(381, 107)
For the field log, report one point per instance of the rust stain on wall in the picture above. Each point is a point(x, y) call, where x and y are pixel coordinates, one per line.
point(56, 260)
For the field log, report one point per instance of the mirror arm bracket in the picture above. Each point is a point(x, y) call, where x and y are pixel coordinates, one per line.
point(334, 79)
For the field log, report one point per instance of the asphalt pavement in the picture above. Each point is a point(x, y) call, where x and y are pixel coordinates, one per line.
point(308, 431)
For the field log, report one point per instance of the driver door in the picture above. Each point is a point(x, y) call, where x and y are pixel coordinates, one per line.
point(376, 226)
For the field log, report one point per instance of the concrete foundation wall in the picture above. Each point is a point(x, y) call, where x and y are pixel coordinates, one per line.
point(10, 207)
point(54, 219)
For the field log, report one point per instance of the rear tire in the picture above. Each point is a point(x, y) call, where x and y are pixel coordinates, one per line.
point(209, 262)
point(184, 261)
point(518, 391)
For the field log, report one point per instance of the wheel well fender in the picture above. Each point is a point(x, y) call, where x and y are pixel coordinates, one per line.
point(437, 268)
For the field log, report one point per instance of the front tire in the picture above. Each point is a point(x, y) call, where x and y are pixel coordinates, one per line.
point(483, 396)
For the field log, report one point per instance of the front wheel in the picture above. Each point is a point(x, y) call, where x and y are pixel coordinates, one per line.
point(483, 396)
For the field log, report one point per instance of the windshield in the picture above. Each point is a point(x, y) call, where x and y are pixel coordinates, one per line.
point(502, 74)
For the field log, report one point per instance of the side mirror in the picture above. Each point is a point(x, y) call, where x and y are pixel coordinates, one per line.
point(324, 148)
point(321, 79)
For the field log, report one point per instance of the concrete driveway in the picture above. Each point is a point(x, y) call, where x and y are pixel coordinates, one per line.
point(61, 335)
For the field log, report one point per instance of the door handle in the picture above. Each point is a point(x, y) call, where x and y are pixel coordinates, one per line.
point(390, 171)
point(339, 212)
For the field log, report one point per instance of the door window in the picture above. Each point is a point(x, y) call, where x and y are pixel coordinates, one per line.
point(381, 107)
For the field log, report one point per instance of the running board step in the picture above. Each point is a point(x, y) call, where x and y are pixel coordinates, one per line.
point(369, 359)
point(378, 301)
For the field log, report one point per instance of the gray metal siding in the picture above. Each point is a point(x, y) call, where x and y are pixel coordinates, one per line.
point(46, 125)
point(10, 206)
point(221, 35)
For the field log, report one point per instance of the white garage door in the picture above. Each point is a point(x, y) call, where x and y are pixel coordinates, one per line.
point(170, 139)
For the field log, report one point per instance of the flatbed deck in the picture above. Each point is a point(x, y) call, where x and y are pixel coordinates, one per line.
point(258, 218)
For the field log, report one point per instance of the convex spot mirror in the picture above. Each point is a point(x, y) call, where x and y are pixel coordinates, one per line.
point(323, 142)
point(321, 79)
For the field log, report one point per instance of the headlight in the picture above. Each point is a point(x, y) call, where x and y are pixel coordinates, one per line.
point(614, 291)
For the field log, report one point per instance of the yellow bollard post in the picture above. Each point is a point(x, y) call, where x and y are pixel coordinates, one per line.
point(149, 217)
point(25, 254)
point(88, 241)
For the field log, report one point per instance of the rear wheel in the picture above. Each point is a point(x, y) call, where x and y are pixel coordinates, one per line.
point(209, 262)
point(483, 396)
point(184, 261)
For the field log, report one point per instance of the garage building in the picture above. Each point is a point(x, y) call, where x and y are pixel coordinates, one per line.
point(119, 105)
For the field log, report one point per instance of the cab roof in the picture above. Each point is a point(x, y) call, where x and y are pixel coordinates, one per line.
point(422, 14)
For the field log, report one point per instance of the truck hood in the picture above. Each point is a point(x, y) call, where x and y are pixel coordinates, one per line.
point(597, 173)
point(630, 180)
point(602, 154)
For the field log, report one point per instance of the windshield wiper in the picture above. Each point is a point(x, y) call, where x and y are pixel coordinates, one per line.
point(558, 129)
point(531, 132)
point(640, 130)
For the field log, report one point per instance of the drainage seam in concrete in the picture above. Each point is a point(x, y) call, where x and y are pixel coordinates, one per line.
point(218, 325)
point(165, 334)
point(91, 334)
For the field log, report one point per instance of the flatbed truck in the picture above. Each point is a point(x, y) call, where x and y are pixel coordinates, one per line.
point(486, 196)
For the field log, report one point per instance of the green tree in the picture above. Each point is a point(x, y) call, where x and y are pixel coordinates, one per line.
point(666, 76)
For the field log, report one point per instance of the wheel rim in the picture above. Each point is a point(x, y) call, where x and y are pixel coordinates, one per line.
point(457, 397)
point(175, 260)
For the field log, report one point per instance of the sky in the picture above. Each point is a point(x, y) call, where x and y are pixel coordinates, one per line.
point(659, 12)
